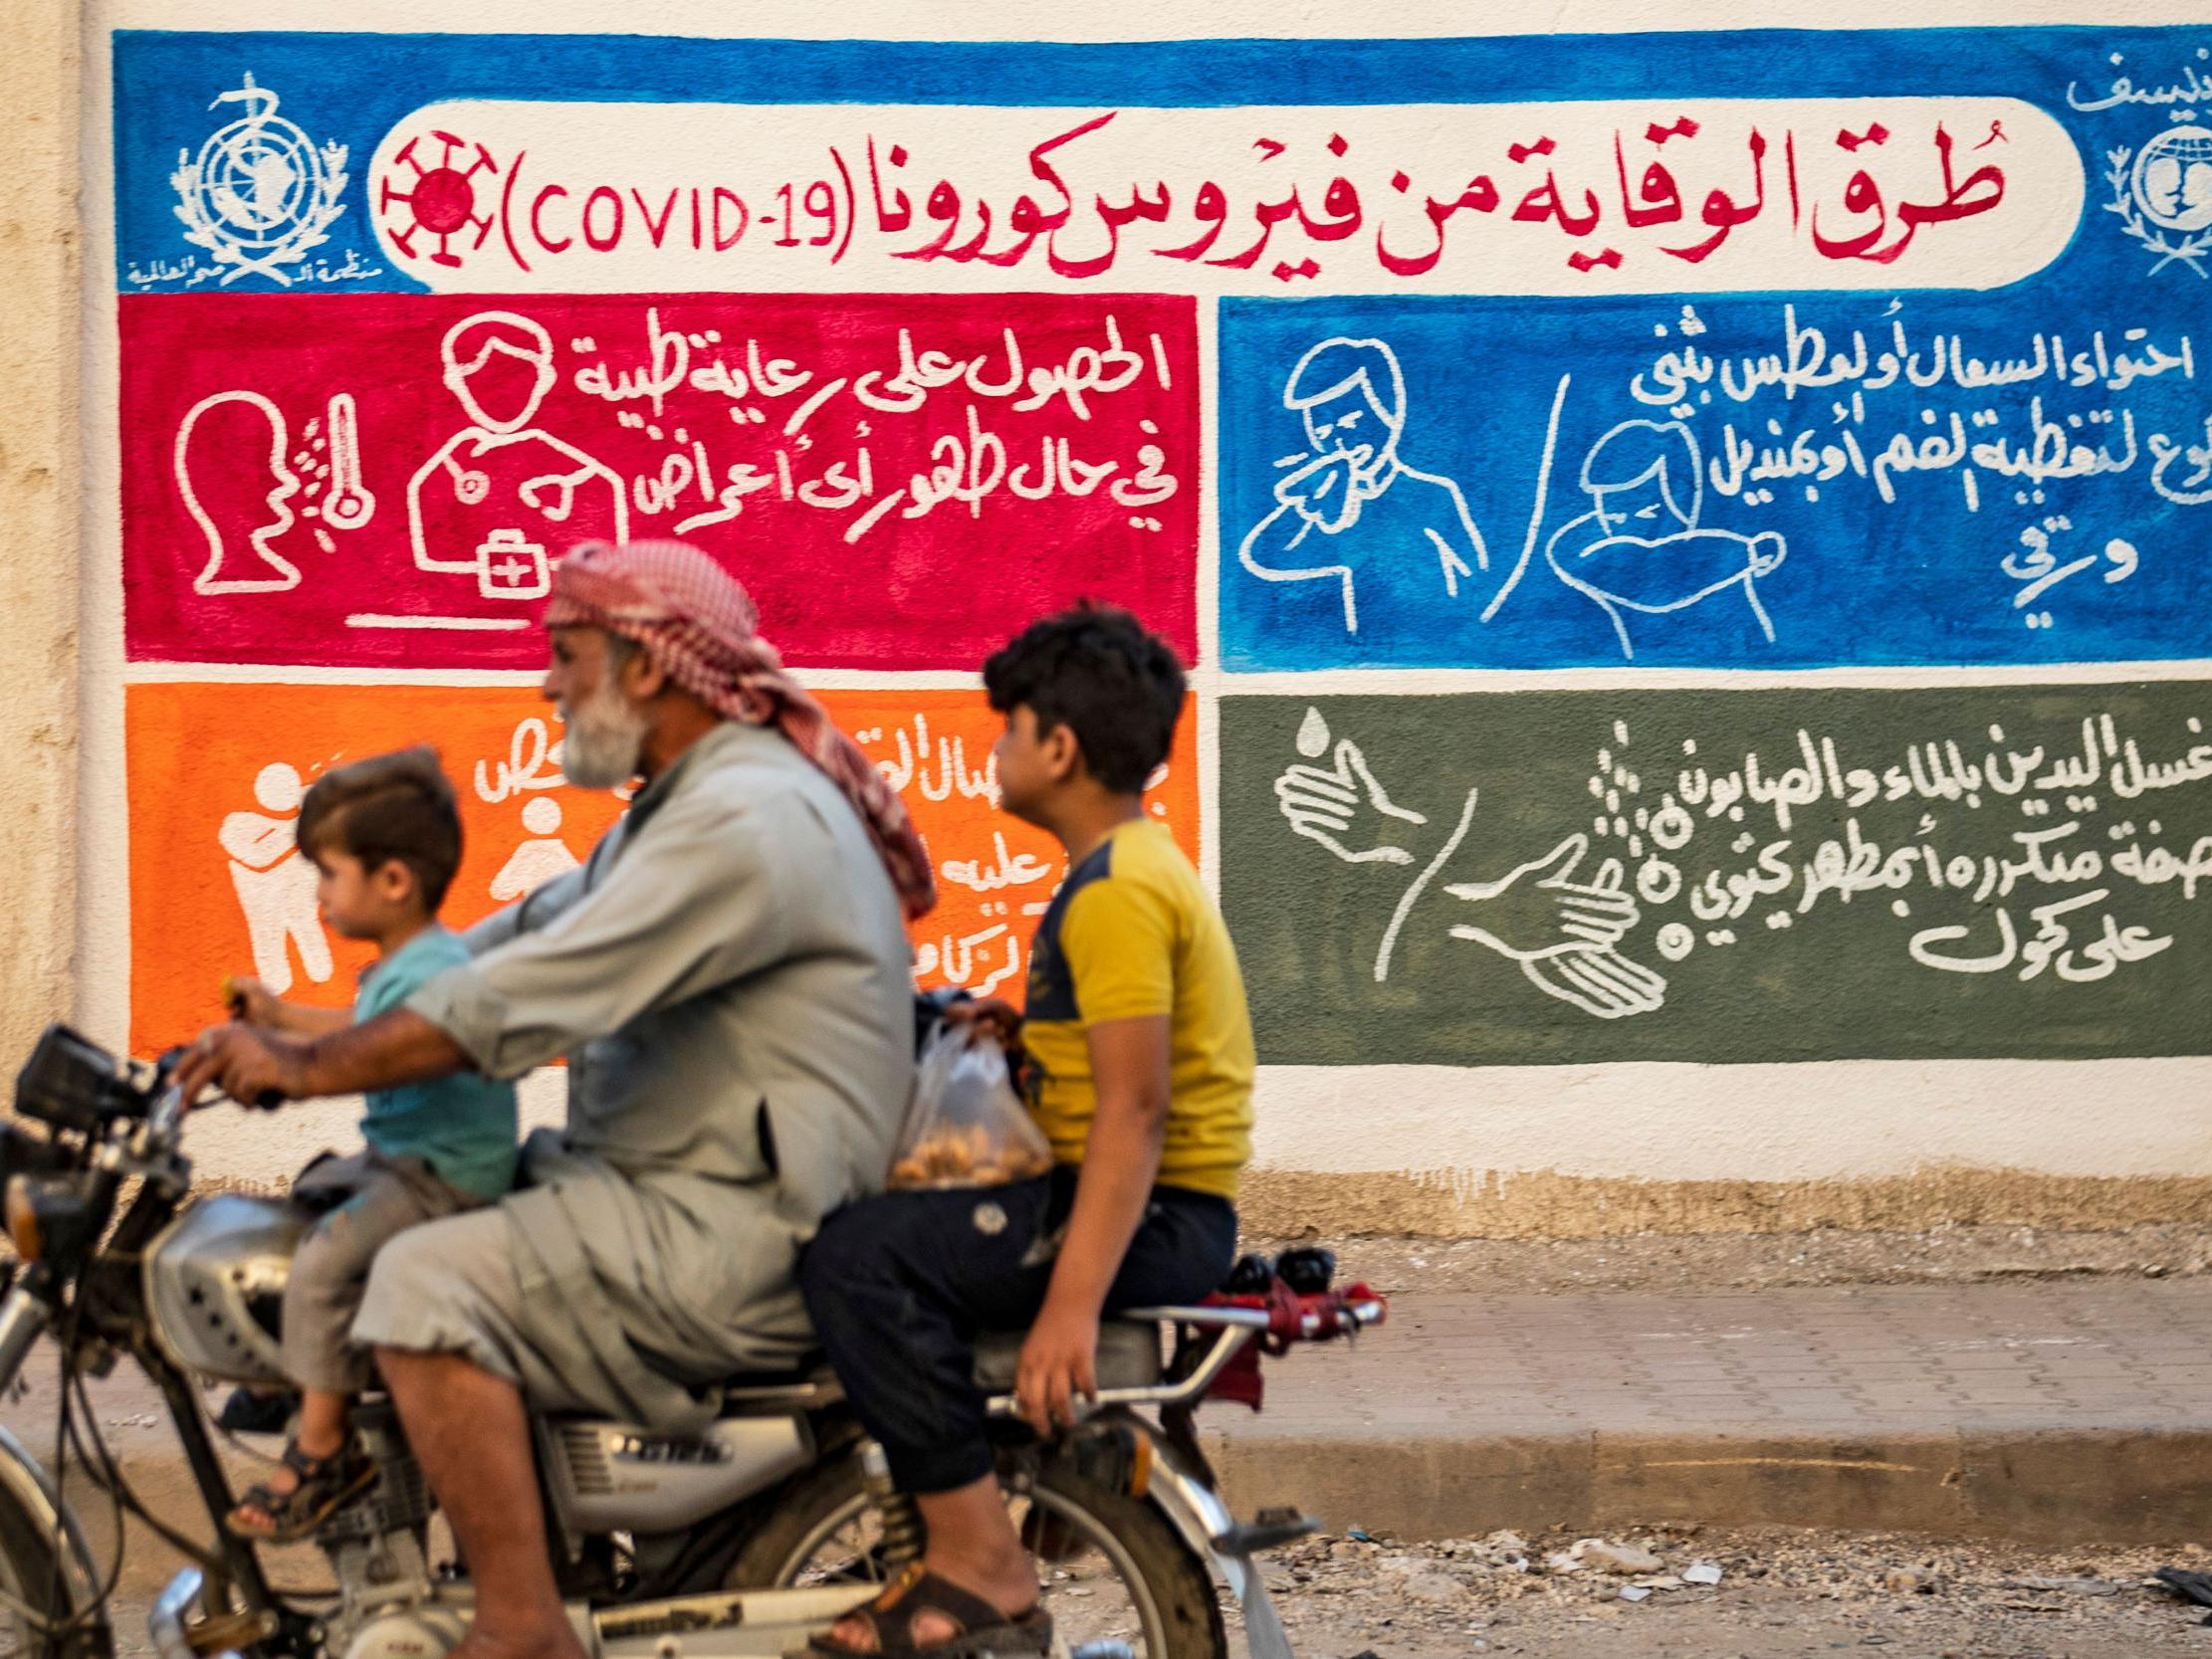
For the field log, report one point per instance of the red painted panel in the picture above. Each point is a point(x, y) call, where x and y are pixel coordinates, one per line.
point(902, 480)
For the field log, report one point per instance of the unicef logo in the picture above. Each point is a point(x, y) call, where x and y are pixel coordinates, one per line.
point(259, 194)
point(2172, 179)
point(2163, 193)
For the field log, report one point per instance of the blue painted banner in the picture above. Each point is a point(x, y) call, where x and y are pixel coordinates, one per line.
point(262, 143)
point(1738, 483)
point(1766, 481)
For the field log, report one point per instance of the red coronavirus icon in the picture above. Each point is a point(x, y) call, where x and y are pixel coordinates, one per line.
point(442, 204)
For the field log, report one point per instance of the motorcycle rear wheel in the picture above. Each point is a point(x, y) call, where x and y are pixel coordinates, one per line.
point(825, 1532)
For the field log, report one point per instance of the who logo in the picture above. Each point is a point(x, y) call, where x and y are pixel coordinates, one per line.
point(260, 195)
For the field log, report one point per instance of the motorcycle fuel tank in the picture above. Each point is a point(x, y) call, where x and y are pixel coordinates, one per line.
point(215, 1283)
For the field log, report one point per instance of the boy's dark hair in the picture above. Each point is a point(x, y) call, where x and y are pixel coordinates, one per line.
point(1098, 671)
point(390, 808)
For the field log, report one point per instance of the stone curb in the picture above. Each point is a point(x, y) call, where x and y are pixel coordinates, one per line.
point(2069, 1487)
point(2056, 1486)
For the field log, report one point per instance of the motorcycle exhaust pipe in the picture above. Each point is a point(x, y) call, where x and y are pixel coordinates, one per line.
point(176, 1611)
point(183, 1628)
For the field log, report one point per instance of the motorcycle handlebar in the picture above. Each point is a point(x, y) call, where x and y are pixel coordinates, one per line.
point(166, 1112)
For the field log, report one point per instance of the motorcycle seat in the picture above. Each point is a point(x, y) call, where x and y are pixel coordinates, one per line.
point(814, 1367)
point(1127, 1355)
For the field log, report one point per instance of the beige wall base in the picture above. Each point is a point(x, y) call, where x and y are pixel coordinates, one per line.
point(1287, 1203)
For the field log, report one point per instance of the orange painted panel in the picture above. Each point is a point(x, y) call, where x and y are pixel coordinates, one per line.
point(217, 886)
point(995, 874)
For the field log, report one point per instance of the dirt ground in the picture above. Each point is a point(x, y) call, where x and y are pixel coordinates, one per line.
point(1781, 1595)
point(1764, 1261)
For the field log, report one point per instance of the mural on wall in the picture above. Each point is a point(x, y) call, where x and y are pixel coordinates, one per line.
point(1775, 479)
point(1628, 364)
point(1708, 875)
point(219, 886)
point(318, 479)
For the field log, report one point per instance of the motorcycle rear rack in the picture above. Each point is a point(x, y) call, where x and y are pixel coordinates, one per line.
point(1236, 1327)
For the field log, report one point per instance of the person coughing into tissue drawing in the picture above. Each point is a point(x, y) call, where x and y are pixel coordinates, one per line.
point(1399, 544)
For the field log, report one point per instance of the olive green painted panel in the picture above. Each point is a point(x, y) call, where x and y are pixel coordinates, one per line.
point(1802, 874)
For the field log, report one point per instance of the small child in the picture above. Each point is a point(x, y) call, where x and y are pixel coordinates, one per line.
point(1141, 1065)
point(386, 839)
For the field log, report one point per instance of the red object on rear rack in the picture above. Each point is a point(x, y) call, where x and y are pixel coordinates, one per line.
point(1292, 1318)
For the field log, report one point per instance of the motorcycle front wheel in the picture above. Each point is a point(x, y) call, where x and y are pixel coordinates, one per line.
point(33, 1594)
point(1118, 1581)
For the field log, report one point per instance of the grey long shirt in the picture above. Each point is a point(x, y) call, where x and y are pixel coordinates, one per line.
point(729, 978)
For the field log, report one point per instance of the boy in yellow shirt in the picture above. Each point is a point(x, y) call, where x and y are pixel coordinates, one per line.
point(1141, 1076)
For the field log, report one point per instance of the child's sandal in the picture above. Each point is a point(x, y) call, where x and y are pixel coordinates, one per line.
point(326, 1485)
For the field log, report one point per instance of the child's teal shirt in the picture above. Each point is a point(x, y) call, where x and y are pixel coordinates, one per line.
point(464, 1126)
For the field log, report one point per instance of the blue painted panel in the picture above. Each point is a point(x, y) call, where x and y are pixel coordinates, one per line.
point(1736, 483)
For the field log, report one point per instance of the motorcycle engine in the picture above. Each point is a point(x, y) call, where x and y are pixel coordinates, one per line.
point(417, 1630)
point(391, 1604)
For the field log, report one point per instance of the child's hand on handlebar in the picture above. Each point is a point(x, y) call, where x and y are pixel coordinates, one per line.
point(1058, 1366)
point(250, 1002)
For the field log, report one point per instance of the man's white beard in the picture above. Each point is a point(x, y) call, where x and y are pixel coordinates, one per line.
point(605, 741)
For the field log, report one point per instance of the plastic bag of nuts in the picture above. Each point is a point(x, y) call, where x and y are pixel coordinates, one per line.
point(966, 1126)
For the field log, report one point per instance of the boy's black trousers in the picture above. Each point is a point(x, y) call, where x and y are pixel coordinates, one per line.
point(900, 1286)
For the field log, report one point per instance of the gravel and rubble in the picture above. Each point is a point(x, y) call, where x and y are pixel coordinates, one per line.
point(1670, 1262)
point(1779, 1595)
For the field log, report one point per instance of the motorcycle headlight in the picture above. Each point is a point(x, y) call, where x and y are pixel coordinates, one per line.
point(23, 1221)
point(45, 1216)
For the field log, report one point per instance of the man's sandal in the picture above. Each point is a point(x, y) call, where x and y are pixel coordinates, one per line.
point(326, 1485)
point(978, 1628)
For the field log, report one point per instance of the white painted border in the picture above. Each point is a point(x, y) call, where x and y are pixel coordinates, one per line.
point(1829, 1120)
point(1212, 681)
point(1207, 677)
point(102, 828)
point(281, 674)
point(1433, 682)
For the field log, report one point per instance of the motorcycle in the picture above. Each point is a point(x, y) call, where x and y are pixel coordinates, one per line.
point(735, 1543)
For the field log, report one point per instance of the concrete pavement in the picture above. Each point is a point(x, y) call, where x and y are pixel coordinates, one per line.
point(2050, 1411)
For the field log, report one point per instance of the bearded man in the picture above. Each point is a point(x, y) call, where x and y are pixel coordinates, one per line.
point(728, 977)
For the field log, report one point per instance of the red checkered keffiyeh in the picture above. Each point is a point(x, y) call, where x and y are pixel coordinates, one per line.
point(698, 625)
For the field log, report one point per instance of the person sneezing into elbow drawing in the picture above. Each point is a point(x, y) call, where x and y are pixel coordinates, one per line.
point(1639, 551)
